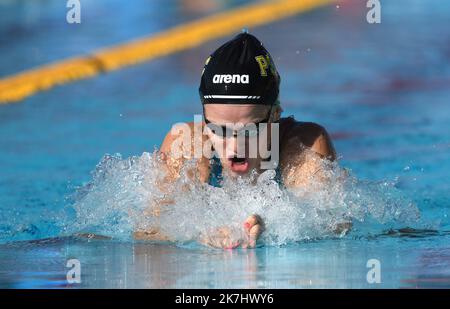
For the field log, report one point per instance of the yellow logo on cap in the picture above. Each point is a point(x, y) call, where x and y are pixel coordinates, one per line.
point(206, 63)
point(265, 63)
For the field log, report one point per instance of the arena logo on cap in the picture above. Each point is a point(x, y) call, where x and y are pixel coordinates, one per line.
point(230, 79)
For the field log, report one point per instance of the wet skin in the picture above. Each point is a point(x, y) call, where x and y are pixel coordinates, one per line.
point(294, 139)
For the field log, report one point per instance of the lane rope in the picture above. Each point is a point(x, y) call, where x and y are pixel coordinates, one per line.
point(19, 86)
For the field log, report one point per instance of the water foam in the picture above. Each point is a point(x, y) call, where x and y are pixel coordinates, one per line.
point(119, 198)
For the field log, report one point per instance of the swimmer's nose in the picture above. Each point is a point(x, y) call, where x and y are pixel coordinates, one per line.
point(232, 148)
point(234, 156)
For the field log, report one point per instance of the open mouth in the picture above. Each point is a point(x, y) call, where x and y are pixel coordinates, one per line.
point(238, 160)
point(239, 165)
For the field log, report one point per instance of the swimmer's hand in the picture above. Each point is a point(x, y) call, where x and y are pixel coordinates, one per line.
point(343, 228)
point(223, 237)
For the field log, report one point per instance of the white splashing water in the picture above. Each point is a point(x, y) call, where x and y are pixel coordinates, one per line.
point(119, 198)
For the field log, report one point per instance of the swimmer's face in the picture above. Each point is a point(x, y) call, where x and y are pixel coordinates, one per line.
point(234, 116)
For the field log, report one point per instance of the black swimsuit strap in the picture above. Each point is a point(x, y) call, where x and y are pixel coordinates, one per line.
point(215, 172)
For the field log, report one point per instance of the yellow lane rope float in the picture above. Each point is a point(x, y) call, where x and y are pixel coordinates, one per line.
point(24, 84)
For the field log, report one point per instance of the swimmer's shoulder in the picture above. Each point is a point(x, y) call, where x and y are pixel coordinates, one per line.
point(306, 132)
point(175, 162)
point(176, 131)
point(296, 135)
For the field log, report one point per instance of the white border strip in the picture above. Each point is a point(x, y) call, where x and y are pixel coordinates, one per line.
point(216, 96)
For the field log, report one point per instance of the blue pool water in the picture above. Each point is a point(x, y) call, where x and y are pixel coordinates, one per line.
point(382, 91)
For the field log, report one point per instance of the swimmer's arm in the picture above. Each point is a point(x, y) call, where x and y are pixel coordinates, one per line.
point(311, 167)
point(154, 232)
point(300, 166)
point(173, 165)
point(323, 146)
point(174, 145)
point(156, 205)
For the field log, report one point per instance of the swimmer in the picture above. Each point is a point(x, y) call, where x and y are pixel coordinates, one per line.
point(239, 91)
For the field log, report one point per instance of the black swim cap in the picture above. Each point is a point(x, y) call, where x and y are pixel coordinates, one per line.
point(240, 71)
